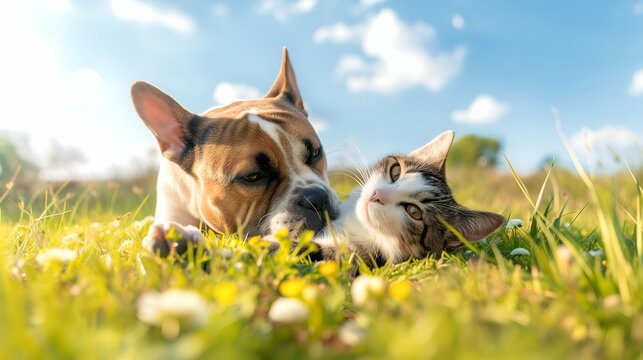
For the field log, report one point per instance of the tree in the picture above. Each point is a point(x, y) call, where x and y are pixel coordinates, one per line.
point(474, 150)
point(11, 160)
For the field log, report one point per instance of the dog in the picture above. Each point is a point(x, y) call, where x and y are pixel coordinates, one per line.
point(252, 166)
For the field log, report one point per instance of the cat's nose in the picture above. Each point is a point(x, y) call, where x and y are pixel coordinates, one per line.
point(379, 196)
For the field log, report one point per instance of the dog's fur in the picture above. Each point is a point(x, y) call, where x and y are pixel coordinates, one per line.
point(251, 165)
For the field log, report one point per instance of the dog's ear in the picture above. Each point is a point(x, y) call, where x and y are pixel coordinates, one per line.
point(436, 151)
point(163, 116)
point(286, 84)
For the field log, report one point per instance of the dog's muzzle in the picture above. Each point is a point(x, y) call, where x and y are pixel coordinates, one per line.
point(314, 203)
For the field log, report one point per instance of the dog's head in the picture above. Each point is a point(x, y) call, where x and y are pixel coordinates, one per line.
point(257, 165)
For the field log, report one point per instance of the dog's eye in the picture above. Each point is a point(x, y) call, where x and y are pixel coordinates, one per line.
point(394, 172)
point(314, 155)
point(413, 211)
point(252, 178)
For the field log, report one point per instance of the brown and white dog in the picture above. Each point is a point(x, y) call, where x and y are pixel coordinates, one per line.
point(254, 166)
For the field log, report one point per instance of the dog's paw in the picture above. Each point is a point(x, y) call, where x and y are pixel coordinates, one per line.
point(171, 238)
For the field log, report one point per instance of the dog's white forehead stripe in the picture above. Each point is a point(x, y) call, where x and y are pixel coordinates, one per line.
point(273, 130)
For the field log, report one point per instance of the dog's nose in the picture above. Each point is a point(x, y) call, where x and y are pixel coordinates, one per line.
point(314, 199)
point(314, 203)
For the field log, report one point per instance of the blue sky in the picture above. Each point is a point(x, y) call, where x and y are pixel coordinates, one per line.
point(382, 76)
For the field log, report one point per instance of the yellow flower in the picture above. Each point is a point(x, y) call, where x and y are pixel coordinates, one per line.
point(282, 235)
point(292, 287)
point(328, 268)
point(400, 290)
point(258, 242)
point(226, 292)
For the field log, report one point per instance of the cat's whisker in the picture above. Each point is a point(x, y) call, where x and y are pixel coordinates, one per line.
point(354, 177)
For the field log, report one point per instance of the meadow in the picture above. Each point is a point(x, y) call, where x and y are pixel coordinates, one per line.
point(563, 278)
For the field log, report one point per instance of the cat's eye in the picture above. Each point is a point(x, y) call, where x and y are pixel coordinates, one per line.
point(413, 211)
point(394, 172)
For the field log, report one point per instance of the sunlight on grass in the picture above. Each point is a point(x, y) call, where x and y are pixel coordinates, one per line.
point(563, 278)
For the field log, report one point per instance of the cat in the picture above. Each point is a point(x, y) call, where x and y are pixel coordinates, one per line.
point(396, 215)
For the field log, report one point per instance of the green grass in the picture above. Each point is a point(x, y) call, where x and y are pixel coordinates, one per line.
point(561, 300)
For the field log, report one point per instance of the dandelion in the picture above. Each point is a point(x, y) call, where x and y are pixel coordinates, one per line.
point(351, 333)
point(282, 235)
point(171, 309)
point(328, 268)
point(365, 287)
point(288, 311)
point(226, 292)
point(56, 255)
point(514, 223)
point(519, 252)
point(292, 287)
point(400, 290)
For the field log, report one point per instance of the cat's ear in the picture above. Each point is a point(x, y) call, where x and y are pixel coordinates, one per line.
point(435, 152)
point(473, 225)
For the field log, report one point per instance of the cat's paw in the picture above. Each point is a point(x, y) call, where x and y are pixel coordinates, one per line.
point(172, 238)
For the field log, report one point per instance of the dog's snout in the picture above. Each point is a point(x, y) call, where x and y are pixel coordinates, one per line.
point(315, 203)
point(314, 199)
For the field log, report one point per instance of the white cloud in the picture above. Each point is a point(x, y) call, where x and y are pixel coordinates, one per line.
point(399, 58)
point(367, 4)
point(137, 11)
point(320, 125)
point(225, 92)
point(281, 10)
point(636, 88)
point(590, 141)
point(336, 33)
point(638, 8)
point(220, 10)
point(350, 64)
point(484, 109)
point(59, 6)
point(457, 21)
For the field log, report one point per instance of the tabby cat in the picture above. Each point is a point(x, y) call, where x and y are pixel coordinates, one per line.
point(396, 215)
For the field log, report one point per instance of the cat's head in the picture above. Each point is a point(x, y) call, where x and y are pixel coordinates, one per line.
point(405, 198)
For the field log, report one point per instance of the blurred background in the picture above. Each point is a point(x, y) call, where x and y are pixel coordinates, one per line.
point(378, 76)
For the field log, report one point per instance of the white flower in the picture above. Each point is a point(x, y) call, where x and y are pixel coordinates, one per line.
point(519, 251)
point(514, 223)
point(56, 255)
point(351, 333)
point(126, 248)
point(225, 253)
point(598, 252)
point(365, 287)
point(186, 306)
point(288, 311)
point(71, 239)
point(143, 223)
